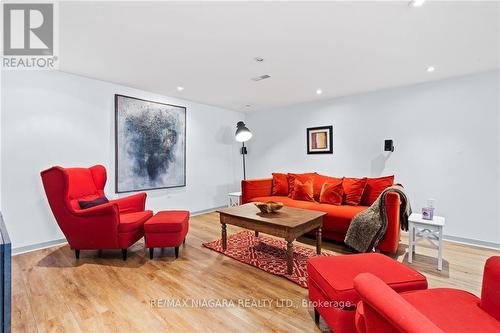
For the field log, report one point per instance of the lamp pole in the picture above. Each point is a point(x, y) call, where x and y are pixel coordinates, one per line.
point(244, 152)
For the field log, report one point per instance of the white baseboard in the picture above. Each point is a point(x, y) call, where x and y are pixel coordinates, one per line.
point(474, 242)
point(38, 246)
point(56, 242)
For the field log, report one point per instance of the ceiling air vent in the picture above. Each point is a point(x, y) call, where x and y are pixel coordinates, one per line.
point(262, 77)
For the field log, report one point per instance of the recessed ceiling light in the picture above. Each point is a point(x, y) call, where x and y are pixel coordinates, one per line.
point(319, 91)
point(258, 59)
point(248, 105)
point(180, 88)
point(262, 77)
point(416, 3)
point(430, 69)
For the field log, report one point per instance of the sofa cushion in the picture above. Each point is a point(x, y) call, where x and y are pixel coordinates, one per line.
point(374, 187)
point(133, 221)
point(453, 310)
point(337, 218)
point(353, 190)
point(303, 177)
point(303, 191)
point(332, 193)
point(280, 184)
point(334, 276)
point(318, 182)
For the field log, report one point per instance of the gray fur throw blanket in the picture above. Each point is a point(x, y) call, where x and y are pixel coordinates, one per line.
point(369, 226)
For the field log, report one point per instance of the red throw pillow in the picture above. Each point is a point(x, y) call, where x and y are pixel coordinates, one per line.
point(318, 182)
point(303, 177)
point(353, 190)
point(332, 193)
point(374, 187)
point(280, 184)
point(303, 191)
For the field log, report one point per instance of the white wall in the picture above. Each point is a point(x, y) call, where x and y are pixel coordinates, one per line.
point(446, 137)
point(54, 118)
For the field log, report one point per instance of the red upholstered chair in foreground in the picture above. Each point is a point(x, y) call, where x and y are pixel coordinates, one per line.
point(331, 284)
point(114, 225)
point(431, 310)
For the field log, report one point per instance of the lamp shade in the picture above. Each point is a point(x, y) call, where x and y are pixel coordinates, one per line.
point(242, 132)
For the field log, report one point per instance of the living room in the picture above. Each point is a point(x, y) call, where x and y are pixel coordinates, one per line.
point(317, 166)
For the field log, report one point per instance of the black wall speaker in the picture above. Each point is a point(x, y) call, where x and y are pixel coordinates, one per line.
point(388, 145)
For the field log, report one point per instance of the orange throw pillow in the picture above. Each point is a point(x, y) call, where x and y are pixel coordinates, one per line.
point(353, 190)
point(318, 182)
point(280, 184)
point(332, 193)
point(375, 187)
point(302, 177)
point(303, 191)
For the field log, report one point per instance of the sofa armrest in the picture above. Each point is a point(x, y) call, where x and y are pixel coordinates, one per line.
point(490, 292)
point(253, 188)
point(132, 203)
point(390, 242)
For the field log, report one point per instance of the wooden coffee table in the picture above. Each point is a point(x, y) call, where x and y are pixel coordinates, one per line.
point(288, 223)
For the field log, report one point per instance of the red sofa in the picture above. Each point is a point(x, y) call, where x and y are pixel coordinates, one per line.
point(433, 310)
point(338, 218)
point(114, 225)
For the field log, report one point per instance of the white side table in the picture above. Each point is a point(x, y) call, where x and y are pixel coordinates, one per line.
point(432, 230)
point(234, 199)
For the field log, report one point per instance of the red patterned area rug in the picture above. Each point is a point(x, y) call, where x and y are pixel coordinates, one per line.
point(268, 254)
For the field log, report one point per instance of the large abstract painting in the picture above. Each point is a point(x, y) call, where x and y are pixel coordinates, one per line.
point(150, 144)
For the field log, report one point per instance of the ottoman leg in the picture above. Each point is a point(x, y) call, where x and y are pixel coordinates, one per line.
point(176, 252)
point(77, 254)
point(151, 252)
point(124, 254)
point(316, 316)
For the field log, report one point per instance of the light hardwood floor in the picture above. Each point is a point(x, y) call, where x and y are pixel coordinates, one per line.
point(54, 292)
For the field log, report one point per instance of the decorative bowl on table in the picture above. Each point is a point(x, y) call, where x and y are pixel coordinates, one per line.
point(269, 206)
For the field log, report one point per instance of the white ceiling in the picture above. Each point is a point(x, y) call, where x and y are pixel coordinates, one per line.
point(341, 47)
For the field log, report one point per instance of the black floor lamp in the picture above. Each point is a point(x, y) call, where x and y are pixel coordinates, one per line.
point(242, 135)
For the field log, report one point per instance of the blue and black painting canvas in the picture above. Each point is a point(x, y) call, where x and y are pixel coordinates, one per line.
point(150, 144)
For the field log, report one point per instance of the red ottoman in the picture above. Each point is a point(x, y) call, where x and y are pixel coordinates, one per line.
point(166, 229)
point(331, 288)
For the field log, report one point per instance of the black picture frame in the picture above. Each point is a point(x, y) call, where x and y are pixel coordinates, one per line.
point(117, 96)
point(329, 148)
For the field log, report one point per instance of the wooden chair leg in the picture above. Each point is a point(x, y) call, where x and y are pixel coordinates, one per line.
point(124, 254)
point(151, 252)
point(77, 254)
point(316, 316)
point(176, 252)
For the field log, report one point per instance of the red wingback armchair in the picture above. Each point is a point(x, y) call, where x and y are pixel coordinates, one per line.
point(114, 225)
point(431, 310)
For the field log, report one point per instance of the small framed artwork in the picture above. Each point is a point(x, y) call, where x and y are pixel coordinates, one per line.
point(320, 140)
